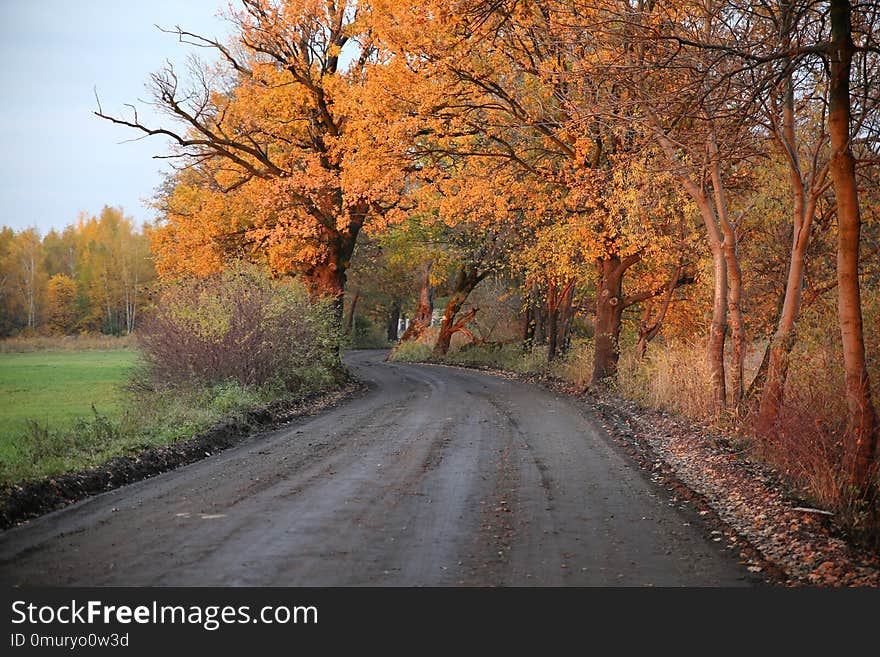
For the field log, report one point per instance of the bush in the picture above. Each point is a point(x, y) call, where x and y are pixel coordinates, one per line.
point(810, 444)
point(239, 326)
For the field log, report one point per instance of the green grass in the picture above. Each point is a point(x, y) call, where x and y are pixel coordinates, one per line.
point(54, 388)
point(48, 426)
point(50, 392)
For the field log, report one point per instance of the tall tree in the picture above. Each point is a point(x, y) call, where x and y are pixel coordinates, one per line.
point(862, 419)
point(27, 275)
point(271, 143)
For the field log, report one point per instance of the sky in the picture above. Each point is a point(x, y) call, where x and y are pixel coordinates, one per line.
point(56, 158)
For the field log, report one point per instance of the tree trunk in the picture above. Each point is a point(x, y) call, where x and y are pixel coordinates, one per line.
point(326, 278)
point(421, 320)
point(552, 319)
point(540, 312)
point(349, 317)
point(465, 282)
point(609, 309)
point(393, 320)
point(772, 394)
point(566, 313)
point(718, 327)
point(862, 422)
point(531, 317)
point(803, 210)
point(730, 250)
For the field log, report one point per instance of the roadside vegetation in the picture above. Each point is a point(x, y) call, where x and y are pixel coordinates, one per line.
point(210, 350)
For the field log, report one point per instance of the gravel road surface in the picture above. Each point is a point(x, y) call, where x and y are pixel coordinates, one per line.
point(436, 476)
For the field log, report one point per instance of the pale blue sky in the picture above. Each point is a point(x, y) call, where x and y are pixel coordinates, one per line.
point(58, 159)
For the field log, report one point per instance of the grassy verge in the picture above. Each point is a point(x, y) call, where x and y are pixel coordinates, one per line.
point(67, 411)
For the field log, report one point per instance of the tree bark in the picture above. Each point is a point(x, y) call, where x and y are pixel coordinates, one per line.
point(421, 320)
point(566, 314)
point(393, 320)
point(540, 313)
point(861, 420)
point(718, 331)
point(530, 319)
point(326, 278)
point(730, 250)
point(467, 279)
point(552, 319)
point(349, 317)
point(559, 318)
point(772, 394)
point(609, 310)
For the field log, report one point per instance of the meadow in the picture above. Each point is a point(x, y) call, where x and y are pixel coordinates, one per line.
point(54, 388)
point(50, 391)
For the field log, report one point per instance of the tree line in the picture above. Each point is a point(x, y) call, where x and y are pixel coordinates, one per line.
point(610, 164)
point(91, 277)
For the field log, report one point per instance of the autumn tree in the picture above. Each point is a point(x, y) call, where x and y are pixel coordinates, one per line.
point(471, 228)
point(505, 83)
point(863, 425)
point(61, 304)
point(26, 274)
point(273, 159)
point(794, 106)
point(806, 32)
point(7, 313)
point(114, 269)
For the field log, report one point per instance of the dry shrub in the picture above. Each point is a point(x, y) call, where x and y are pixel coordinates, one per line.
point(238, 326)
point(418, 350)
point(809, 444)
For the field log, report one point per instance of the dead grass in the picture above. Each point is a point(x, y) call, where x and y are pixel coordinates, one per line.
point(808, 446)
point(576, 365)
point(675, 378)
point(86, 342)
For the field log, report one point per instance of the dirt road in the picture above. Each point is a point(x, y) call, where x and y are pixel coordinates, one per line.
point(436, 476)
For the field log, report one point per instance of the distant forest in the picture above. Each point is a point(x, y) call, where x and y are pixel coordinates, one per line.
point(89, 278)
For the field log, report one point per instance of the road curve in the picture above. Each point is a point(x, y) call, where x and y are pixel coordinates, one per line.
point(436, 476)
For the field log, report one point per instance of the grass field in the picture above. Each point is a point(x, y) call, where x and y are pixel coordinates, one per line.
point(54, 388)
point(47, 425)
